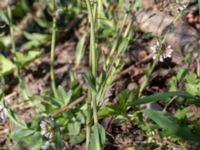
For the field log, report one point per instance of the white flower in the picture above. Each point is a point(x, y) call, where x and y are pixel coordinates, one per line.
point(3, 115)
point(161, 50)
point(47, 127)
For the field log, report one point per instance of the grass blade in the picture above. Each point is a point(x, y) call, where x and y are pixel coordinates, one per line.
point(162, 96)
point(167, 123)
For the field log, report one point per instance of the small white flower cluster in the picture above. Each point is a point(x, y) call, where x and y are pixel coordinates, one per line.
point(47, 130)
point(161, 50)
point(3, 114)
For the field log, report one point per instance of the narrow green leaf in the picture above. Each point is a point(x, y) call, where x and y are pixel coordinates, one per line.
point(123, 45)
point(167, 123)
point(15, 119)
point(25, 91)
point(162, 96)
point(80, 49)
point(90, 80)
point(4, 17)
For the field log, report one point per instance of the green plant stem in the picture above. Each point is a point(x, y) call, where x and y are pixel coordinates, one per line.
point(88, 120)
point(199, 7)
point(91, 100)
point(93, 61)
point(13, 50)
point(99, 12)
point(53, 43)
point(148, 77)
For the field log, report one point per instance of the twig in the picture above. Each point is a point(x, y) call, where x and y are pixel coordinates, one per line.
point(10, 96)
point(77, 101)
point(168, 104)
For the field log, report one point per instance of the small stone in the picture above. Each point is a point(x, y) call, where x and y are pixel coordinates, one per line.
point(132, 86)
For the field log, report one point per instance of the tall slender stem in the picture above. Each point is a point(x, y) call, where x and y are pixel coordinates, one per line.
point(93, 61)
point(53, 43)
point(13, 49)
point(91, 100)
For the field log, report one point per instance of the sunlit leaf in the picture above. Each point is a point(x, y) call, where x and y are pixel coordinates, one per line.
point(6, 66)
point(27, 57)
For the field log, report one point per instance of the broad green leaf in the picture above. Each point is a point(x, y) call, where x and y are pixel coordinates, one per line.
point(74, 128)
point(21, 133)
point(192, 88)
point(30, 45)
point(42, 22)
point(167, 122)
point(5, 40)
point(191, 78)
point(97, 138)
point(6, 66)
point(27, 138)
point(27, 57)
point(77, 138)
point(162, 96)
point(36, 37)
point(64, 97)
point(37, 101)
point(181, 114)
